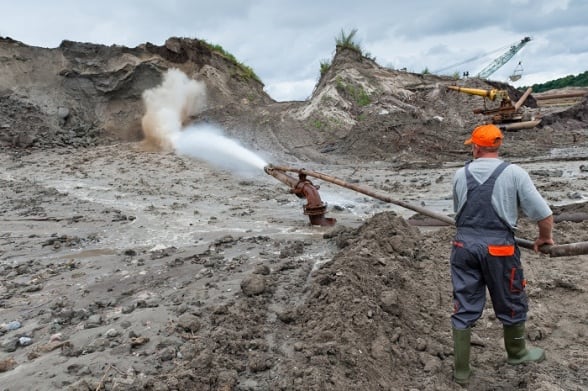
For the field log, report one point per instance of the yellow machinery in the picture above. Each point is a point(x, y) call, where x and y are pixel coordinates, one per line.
point(508, 115)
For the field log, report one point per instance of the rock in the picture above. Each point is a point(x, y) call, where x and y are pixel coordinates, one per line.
point(421, 344)
point(167, 354)
point(112, 333)
point(430, 363)
point(189, 322)
point(287, 316)
point(93, 321)
point(63, 112)
point(9, 345)
point(380, 348)
point(258, 362)
point(25, 341)
point(389, 301)
point(14, 325)
point(7, 364)
point(253, 285)
point(127, 309)
point(264, 270)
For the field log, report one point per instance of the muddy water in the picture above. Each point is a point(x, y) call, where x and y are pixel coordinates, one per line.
point(116, 225)
point(165, 200)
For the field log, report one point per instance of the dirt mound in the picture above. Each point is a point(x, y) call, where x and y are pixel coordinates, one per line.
point(81, 89)
point(374, 307)
point(86, 94)
point(25, 126)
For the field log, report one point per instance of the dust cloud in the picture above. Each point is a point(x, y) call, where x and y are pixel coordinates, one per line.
point(169, 107)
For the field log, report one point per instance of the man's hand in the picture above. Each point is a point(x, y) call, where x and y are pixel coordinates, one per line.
point(540, 242)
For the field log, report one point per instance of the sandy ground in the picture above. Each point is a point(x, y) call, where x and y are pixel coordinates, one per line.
point(128, 269)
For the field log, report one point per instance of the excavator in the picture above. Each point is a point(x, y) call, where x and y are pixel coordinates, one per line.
point(507, 115)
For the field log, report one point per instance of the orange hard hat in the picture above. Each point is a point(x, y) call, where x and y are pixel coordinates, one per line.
point(488, 135)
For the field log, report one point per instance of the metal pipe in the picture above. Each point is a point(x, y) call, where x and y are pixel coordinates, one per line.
point(369, 192)
point(520, 125)
point(578, 248)
point(559, 96)
point(314, 208)
point(522, 99)
point(281, 176)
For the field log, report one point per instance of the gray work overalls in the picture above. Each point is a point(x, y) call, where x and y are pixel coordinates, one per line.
point(484, 254)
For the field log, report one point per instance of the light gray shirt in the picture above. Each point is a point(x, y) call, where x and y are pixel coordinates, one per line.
point(505, 200)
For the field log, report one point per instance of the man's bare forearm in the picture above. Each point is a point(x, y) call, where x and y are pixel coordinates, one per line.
point(546, 228)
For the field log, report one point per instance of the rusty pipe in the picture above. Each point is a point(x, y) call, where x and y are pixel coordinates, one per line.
point(519, 125)
point(560, 250)
point(314, 208)
point(369, 192)
point(281, 176)
point(578, 248)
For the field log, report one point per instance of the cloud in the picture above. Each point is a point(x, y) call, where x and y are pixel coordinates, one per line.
point(284, 42)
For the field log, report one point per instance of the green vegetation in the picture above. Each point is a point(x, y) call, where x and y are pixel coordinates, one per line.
point(426, 71)
point(581, 80)
point(346, 41)
point(359, 95)
point(325, 66)
point(362, 98)
point(317, 123)
point(247, 71)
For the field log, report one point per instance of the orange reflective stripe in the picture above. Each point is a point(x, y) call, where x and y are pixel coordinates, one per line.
point(514, 283)
point(503, 250)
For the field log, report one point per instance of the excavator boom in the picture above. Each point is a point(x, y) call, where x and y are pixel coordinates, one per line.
point(507, 112)
point(490, 94)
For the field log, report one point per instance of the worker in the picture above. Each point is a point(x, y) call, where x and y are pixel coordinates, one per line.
point(487, 194)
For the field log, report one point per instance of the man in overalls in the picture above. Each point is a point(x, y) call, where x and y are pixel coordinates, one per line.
point(487, 194)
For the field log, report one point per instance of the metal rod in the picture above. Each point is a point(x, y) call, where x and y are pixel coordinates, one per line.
point(520, 125)
point(369, 192)
point(559, 96)
point(522, 99)
point(578, 248)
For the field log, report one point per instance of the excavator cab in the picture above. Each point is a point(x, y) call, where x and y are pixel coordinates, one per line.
point(517, 73)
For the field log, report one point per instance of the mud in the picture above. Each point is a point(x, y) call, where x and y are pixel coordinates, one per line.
point(130, 270)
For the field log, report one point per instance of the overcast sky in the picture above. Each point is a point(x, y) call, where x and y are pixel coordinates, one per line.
point(284, 42)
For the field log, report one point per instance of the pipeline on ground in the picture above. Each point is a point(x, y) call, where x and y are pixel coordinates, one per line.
point(279, 172)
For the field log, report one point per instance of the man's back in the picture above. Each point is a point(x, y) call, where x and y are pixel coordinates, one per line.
point(514, 189)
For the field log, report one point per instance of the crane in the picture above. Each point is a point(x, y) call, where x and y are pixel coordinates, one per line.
point(500, 61)
point(495, 64)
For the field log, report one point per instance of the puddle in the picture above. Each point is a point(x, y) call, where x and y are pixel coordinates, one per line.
point(93, 253)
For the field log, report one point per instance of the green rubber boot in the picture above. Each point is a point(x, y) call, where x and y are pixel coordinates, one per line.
point(461, 355)
point(518, 353)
